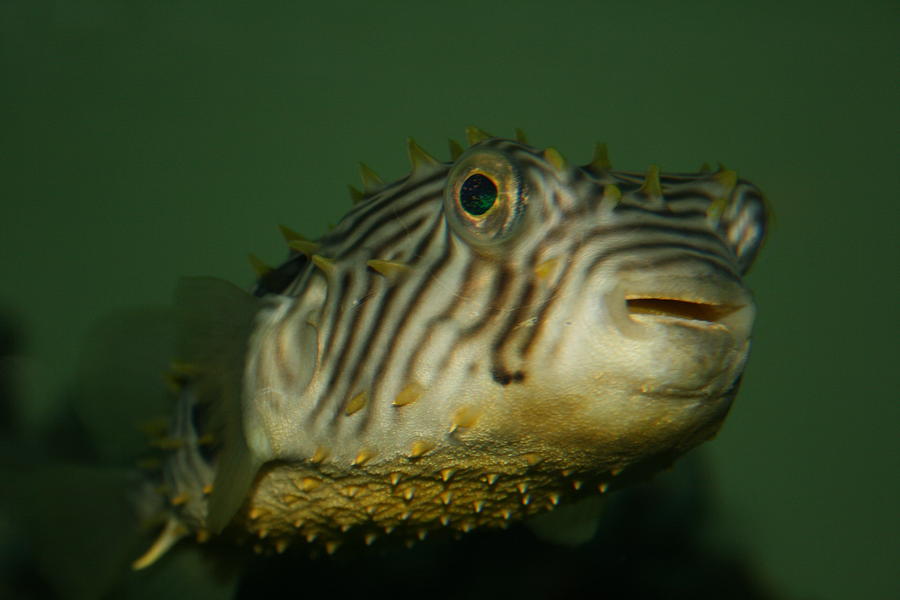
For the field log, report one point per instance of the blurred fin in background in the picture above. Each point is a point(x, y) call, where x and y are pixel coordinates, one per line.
point(74, 514)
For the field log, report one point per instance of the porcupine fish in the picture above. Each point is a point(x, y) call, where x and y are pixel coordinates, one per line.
point(473, 344)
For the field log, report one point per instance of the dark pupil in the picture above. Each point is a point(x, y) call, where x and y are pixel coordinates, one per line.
point(478, 194)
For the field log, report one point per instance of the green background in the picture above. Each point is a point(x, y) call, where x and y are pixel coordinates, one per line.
point(142, 141)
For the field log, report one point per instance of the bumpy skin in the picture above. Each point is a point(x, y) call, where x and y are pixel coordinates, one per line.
point(422, 367)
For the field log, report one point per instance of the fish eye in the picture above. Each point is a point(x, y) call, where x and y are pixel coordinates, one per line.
point(478, 194)
point(484, 198)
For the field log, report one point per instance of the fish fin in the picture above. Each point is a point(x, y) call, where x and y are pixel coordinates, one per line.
point(235, 473)
point(571, 524)
point(215, 319)
point(170, 535)
point(83, 525)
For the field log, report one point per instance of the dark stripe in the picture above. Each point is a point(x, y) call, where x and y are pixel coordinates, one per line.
point(277, 280)
point(499, 293)
point(396, 205)
point(635, 210)
point(423, 288)
point(403, 232)
point(337, 305)
point(336, 327)
point(696, 253)
point(391, 216)
point(701, 193)
point(465, 290)
point(724, 271)
point(300, 284)
point(353, 329)
point(645, 230)
point(500, 289)
point(512, 321)
point(547, 305)
point(383, 197)
point(437, 234)
point(523, 305)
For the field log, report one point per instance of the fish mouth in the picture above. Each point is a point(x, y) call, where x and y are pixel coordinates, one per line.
point(676, 308)
point(697, 301)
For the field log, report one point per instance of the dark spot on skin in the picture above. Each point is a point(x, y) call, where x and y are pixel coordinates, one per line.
point(501, 376)
point(505, 378)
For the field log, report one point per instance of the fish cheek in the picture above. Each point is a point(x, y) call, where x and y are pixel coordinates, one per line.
point(553, 425)
point(585, 432)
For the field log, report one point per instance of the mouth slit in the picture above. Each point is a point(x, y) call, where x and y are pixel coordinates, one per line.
point(695, 311)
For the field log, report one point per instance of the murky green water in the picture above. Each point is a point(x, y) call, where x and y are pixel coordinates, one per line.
point(146, 142)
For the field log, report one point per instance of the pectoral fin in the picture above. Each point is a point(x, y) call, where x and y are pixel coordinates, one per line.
point(569, 525)
point(215, 321)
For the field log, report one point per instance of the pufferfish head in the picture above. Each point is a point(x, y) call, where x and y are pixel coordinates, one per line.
point(619, 321)
point(478, 342)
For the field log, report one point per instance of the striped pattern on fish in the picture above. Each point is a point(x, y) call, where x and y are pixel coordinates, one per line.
point(472, 344)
